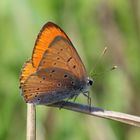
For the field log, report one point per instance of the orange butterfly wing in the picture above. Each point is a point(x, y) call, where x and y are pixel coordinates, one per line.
point(62, 54)
point(50, 85)
point(45, 37)
point(27, 70)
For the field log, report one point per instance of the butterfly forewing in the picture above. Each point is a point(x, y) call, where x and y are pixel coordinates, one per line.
point(62, 54)
point(45, 37)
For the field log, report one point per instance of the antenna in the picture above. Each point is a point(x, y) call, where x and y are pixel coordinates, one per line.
point(92, 72)
point(101, 73)
point(114, 67)
point(98, 61)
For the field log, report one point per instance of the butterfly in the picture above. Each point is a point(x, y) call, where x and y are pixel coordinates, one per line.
point(55, 71)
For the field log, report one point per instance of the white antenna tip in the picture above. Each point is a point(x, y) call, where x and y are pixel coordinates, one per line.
point(114, 67)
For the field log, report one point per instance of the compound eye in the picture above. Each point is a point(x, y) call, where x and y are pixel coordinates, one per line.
point(90, 82)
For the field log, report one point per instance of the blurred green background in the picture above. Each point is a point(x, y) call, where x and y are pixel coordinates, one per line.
point(91, 25)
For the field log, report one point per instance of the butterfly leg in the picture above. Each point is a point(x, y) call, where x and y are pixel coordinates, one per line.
point(75, 97)
point(88, 98)
point(64, 102)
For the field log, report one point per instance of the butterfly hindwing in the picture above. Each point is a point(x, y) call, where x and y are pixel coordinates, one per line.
point(50, 85)
point(27, 70)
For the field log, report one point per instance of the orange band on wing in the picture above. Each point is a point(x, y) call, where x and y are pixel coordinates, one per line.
point(45, 37)
point(27, 70)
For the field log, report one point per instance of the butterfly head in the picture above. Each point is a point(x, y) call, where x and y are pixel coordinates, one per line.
point(89, 82)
